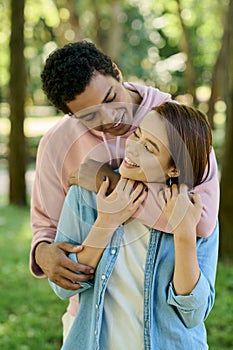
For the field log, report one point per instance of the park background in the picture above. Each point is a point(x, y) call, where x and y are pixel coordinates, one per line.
point(184, 47)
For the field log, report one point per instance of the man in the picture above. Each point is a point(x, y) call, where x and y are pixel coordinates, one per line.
point(84, 83)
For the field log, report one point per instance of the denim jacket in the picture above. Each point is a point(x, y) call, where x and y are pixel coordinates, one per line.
point(171, 322)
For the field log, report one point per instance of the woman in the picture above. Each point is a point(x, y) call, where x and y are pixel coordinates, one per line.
point(152, 290)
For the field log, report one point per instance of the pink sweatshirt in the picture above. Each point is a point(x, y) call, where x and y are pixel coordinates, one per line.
point(64, 148)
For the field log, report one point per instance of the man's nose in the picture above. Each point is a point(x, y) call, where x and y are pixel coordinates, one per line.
point(107, 115)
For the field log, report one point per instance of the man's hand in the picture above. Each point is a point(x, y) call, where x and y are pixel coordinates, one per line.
point(90, 176)
point(52, 259)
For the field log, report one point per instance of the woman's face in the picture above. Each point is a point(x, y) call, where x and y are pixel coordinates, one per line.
point(147, 156)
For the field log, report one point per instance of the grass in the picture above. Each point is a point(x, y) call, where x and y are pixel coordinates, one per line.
point(30, 316)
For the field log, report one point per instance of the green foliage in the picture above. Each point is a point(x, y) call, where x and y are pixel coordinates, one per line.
point(220, 321)
point(150, 43)
point(30, 315)
point(152, 50)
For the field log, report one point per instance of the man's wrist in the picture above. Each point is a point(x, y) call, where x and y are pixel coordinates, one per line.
point(38, 250)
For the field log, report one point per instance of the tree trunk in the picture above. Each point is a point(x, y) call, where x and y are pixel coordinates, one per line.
point(186, 48)
point(218, 77)
point(113, 43)
point(226, 203)
point(73, 24)
point(17, 157)
point(108, 41)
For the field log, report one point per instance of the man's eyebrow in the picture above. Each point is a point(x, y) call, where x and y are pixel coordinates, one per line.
point(107, 94)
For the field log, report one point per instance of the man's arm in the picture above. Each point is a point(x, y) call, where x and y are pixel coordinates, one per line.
point(48, 195)
point(150, 213)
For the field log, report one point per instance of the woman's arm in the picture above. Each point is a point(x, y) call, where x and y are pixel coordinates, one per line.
point(113, 210)
point(192, 288)
point(195, 307)
point(79, 224)
point(183, 212)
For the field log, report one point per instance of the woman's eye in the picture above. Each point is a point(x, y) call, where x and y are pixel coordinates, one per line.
point(149, 148)
point(135, 134)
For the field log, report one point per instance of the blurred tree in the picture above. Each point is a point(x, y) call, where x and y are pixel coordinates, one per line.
point(226, 203)
point(145, 39)
point(218, 76)
point(108, 26)
point(70, 30)
point(185, 46)
point(17, 98)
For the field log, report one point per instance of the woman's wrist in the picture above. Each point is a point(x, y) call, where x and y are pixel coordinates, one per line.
point(100, 234)
point(106, 222)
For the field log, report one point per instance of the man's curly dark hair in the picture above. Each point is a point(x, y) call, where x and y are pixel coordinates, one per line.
point(68, 71)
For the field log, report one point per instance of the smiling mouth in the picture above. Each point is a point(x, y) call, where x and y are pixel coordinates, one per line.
point(118, 123)
point(129, 162)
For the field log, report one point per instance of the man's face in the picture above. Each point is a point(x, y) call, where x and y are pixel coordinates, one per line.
point(105, 105)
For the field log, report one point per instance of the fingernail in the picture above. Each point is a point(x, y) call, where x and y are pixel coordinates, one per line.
point(104, 178)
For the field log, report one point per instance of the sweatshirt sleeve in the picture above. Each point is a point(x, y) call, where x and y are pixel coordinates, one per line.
point(76, 219)
point(195, 307)
point(47, 199)
point(60, 153)
point(151, 215)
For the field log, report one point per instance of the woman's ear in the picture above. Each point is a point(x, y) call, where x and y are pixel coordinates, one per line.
point(173, 172)
point(117, 70)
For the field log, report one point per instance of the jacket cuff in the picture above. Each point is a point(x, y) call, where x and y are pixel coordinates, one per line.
point(191, 301)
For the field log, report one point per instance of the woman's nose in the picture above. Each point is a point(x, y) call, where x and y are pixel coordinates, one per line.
point(132, 147)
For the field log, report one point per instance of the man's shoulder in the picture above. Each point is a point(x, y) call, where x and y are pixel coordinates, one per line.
point(64, 128)
point(149, 94)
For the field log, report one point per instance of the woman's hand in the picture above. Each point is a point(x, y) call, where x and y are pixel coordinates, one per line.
point(121, 204)
point(181, 208)
point(183, 212)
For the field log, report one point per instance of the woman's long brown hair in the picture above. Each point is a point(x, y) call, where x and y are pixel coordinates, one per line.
point(190, 140)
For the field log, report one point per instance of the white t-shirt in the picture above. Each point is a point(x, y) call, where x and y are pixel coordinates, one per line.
point(122, 326)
